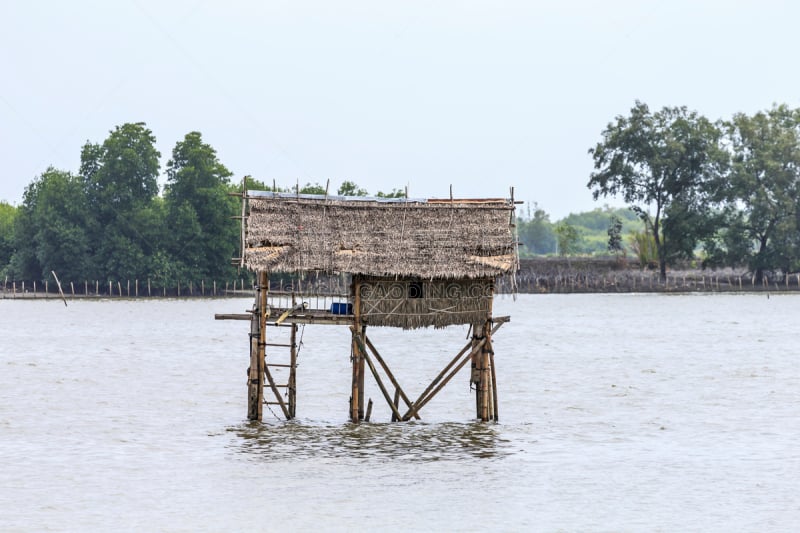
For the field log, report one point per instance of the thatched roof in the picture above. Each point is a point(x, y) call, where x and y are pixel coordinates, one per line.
point(430, 239)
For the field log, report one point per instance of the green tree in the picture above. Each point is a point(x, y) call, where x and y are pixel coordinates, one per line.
point(349, 188)
point(121, 174)
point(615, 235)
point(536, 232)
point(50, 232)
point(764, 184)
point(655, 160)
point(7, 215)
point(314, 188)
point(568, 239)
point(395, 193)
point(120, 178)
point(199, 210)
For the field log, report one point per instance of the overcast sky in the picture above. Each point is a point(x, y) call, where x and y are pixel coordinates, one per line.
point(483, 95)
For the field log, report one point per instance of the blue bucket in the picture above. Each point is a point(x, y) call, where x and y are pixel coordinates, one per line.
point(341, 308)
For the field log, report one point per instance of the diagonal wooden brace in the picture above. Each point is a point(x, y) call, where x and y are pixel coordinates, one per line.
point(398, 388)
point(372, 368)
point(430, 392)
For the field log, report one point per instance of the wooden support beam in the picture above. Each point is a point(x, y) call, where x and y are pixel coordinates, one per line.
point(398, 389)
point(496, 414)
point(293, 371)
point(430, 392)
point(396, 404)
point(378, 380)
point(277, 393)
point(358, 355)
point(422, 400)
point(255, 380)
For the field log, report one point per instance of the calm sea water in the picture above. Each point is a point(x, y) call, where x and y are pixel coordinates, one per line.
point(617, 413)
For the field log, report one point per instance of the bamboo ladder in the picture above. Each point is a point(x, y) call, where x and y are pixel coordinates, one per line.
point(269, 360)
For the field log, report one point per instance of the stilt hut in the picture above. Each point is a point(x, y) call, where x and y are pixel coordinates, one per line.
point(408, 263)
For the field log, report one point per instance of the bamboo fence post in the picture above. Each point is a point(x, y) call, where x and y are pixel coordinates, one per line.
point(34, 288)
point(215, 287)
point(148, 288)
point(119, 288)
point(13, 290)
point(137, 287)
point(72, 287)
point(179, 288)
point(202, 287)
point(110, 292)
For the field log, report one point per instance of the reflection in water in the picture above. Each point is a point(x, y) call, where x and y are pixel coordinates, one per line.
point(412, 441)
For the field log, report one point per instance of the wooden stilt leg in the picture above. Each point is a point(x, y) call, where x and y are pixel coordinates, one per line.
point(357, 386)
point(361, 413)
point(475, 374)
point(355, 399)
point(495, 413)
point(293, 374)
point(256, 372)
point(484, 385)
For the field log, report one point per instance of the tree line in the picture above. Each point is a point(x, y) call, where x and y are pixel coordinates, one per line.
point(111, 221)
point(728, 188)
point(724, 193)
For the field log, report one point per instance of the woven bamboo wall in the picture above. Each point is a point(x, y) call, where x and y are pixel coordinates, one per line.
point(414, 303)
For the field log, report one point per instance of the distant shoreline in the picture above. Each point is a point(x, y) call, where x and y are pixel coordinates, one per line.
point(545, 275)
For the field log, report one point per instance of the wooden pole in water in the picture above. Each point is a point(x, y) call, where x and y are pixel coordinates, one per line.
point(256, 372)
point(369, 411)
point(475, 374)
point(59, 287)
point(293, 372)
point(396, 404)
point(495, 413)
point(355, 396)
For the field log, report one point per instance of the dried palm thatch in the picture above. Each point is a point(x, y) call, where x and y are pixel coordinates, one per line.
point(425, 239)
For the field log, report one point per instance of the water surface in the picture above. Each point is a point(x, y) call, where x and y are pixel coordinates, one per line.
point(618, 412)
